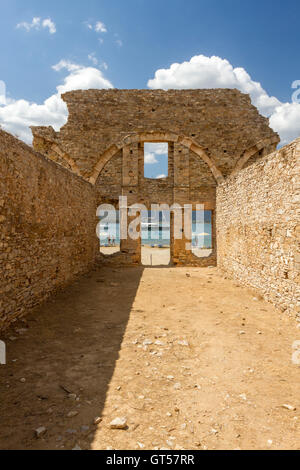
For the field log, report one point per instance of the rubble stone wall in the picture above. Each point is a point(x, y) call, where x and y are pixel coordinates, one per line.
point(223, 122)
point(258, 226)
point(189, 181)
point(47, 227)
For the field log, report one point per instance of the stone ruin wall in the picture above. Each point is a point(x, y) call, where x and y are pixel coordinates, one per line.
point(211, 133)
point(222, 121)
point(47, 228)
point(47, 210)
point(194, 178)
point(258, 227)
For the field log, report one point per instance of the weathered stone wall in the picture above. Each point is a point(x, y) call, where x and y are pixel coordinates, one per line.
point(258, 226)
point(189, 181)
point(223, 122)
point(47, 227)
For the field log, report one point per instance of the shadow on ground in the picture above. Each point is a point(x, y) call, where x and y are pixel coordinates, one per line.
point(67, 348)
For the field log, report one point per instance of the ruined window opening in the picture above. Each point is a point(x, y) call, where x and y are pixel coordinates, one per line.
point(202, 233)
point(110, 233)
point(156, 162)
point(156, 238)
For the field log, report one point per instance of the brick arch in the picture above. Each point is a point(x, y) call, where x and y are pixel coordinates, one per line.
point(155, 137)
point(262, 144)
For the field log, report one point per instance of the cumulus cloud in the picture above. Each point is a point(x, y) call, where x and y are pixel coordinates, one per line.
point(154, 152)
point(98, 27)
point(18, 115)
point(159, 177)
point(48, 23)
point(215, 72)
point(286, 121)
point(37, 24)
point(150, 158)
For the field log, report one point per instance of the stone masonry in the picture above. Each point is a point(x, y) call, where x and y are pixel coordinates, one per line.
point(209, 132)
point(258, 227)
point(221, 154)
point(47, 228)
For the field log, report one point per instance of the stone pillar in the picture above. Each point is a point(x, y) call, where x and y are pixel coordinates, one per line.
point(181, 196)
point(130, 180)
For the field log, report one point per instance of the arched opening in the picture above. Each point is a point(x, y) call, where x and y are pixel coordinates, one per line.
point(155, 238)
point(109, 232)
point(202, 243)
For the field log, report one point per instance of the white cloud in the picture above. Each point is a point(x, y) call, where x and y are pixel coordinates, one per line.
point(214, 72)
point(161, 177)
point(84, 78)
point(48, 23)
point(18, 115)
point(100, 27)
point(119, 42)
point(2, 92)
point(286, 121)
point(150, 158)
point(66, 64)
point(37, 23)
point(158, 149)
point(92, 57)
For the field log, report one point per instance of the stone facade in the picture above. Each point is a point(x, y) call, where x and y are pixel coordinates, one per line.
point(258, 226)
point(222, 123)
point(189, 181)
point(47, 227)
point(220, 155)
point(209, 132)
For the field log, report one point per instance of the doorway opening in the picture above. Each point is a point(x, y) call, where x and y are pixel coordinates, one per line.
point(110, 233)
point(156, 238)
point(202, 233)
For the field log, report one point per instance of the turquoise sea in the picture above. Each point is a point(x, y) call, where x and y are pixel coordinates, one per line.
point(201, 235)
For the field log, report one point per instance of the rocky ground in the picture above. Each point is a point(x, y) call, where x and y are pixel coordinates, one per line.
point(177, 358)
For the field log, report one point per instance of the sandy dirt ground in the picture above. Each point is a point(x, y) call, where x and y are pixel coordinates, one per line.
point(155, 256)
point(191, 360)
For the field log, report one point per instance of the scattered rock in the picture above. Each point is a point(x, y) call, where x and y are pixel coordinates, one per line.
point(22, 380)
point(72, 396)
point(118, 423)
point(183, 343)
point(97, 420)
point(72, 414)
point(39, 432)
point(289, 407)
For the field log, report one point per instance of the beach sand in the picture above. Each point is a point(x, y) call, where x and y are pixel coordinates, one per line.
point(155, 256)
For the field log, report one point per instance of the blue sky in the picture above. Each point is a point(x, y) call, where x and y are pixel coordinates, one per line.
point(135, 39)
